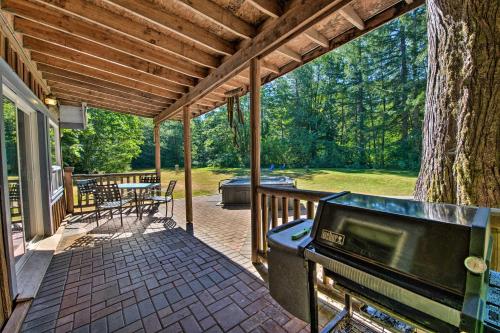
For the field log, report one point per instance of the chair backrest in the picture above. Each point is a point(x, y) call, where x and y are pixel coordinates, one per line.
point(107, 193)
point(86, 186)
point(150, 179)
point(170, 188)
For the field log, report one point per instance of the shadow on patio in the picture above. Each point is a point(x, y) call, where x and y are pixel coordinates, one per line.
point(153, 275)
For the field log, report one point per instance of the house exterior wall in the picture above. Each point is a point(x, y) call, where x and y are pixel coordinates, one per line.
point(45, 207)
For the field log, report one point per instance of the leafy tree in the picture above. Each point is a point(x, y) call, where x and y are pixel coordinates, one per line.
point(108, 144)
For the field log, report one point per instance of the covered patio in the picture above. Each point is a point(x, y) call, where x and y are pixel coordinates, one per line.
point(205, 268)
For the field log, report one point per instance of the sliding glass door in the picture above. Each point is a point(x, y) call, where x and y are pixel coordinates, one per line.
point(15, 173)
point(19, 121)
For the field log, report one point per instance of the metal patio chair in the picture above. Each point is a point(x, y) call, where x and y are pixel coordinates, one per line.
point(108, 197)
point(86, 189)
point(156, 197)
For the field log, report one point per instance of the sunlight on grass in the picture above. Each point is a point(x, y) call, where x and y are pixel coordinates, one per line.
point(383, 182)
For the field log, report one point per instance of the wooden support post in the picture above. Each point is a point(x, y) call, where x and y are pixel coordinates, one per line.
point(264, 221)
point(274, 211)
point(156, 135)
point(255, 153)
point(68, 188)
point(284, 210)
point(187, 165)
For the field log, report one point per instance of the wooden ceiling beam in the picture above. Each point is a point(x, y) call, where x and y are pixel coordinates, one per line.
point(129, 111)
point(102, 16)
point(47, 69)
point(65, 94)
point(317, 37)
point(295, 21)
point(99, 74)
point(96, 94)
point(289, 53)
point(220, 16)
point(164, 82)
point(45, 35)
point(350, 14)
point(106, 37)
point(268, 7)
point(56, 81)
point(183, 28)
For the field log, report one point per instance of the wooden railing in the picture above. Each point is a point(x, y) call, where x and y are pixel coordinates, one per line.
point(73, 204)
point(275, 209)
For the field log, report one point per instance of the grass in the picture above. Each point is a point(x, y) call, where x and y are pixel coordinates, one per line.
point(383, 182)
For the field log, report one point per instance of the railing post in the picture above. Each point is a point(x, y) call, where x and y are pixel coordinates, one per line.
point(284, 210)
point(264, 221)
point(68, 188)
point(255, 82)
point(274, 211)
point(296, 209)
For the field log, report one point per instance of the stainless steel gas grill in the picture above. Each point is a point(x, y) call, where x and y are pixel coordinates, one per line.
point(426, 263)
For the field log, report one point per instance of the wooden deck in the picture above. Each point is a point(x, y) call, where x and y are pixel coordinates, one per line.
point(156, 275)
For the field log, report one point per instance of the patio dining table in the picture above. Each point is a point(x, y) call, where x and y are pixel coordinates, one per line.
point(137, 187)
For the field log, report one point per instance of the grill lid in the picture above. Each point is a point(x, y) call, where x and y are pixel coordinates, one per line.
point(421, 245)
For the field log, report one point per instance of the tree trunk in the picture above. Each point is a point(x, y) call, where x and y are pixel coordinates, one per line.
point(461, 139)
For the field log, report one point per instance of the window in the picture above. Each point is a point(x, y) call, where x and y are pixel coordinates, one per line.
point(55, 160)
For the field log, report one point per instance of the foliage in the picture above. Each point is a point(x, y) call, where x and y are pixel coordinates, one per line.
point(10, 130)
point(108, 144)
point(360, 106)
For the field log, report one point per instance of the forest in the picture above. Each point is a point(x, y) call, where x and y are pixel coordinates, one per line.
point(360, 106)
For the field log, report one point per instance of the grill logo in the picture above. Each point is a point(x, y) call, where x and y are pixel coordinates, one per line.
point(332, 237)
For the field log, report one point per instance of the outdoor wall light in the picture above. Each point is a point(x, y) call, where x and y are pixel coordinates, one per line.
point(50, 100)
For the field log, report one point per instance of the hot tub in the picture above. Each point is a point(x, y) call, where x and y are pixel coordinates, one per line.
point(236, 191)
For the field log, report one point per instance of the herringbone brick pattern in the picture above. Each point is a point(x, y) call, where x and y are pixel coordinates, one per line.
point(153, 275)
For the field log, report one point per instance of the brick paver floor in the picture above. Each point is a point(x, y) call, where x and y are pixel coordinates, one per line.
point(154, 275)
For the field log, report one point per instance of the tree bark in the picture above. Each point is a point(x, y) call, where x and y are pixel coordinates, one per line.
point(461, 138)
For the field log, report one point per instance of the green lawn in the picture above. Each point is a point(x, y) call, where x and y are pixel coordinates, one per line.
point(385, 182)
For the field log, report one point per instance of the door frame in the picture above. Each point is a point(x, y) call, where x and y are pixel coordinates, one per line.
point(8, 276)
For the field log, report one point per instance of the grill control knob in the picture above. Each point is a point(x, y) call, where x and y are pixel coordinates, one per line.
point(475, 265)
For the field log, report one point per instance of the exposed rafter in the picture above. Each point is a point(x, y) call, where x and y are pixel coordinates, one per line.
point(98, 34)
point(289, 53)
point(350, 14)
point(75, 94)
point(41, 58)
point(90, 103)
point(169, 80)
point(220, 16)
point(317, 37)
point(295, 21)
point(57, 81)
point(45, 69)
point(97, 92)
point(268, 7)
point(32, 31)
point(184, 29)
point(121, 24)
